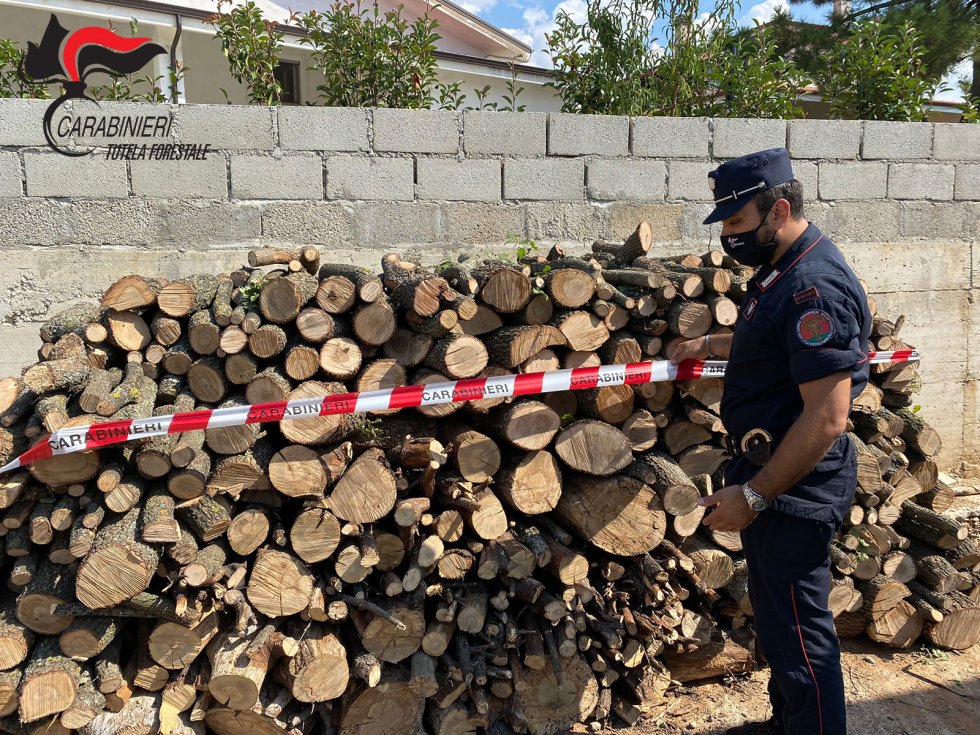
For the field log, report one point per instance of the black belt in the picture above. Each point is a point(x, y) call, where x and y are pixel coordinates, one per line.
point(755, 445)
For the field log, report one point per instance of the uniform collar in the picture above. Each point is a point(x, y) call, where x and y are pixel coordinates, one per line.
point(769, 274)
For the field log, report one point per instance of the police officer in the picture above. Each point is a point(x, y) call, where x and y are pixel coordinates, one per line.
point(796, 360)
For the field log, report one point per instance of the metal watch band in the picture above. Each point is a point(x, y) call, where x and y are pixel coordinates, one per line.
point(756, 496)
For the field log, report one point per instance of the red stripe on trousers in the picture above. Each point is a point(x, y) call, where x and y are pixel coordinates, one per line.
point(799, 630)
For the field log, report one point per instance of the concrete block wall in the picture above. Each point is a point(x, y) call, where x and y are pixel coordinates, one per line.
point(901, 199)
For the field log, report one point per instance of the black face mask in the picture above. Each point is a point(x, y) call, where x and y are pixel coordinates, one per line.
point(746, 248)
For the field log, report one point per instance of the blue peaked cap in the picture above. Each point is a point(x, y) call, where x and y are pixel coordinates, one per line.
point(735, 182)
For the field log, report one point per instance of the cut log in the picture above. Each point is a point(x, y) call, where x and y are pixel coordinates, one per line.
point(390, 708)
point(318, 672)
point(315, 535)
point(929, 526)
point(526, 424)
point(458, 356)
point(618, 514)
point(530, 483)
point(119, 565)
point(296, 472)
point(714, 659)
point(366, 492)
point(553, 701)
point(593, 447)
point(713, 565)
point(919, 435)
point(279, 584)
point(50, 682)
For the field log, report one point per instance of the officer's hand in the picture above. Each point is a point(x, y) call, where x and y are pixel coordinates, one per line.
point(687, 349)
point(730, 510)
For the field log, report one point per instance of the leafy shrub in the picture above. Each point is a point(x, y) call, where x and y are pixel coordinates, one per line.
point(876, 74)
point(252, 46)
point(613, 63)
point(11, 83)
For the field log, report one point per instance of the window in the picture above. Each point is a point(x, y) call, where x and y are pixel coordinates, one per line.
point(287, 74)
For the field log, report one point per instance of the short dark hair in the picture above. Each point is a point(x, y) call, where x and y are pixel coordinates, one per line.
point(791, 191)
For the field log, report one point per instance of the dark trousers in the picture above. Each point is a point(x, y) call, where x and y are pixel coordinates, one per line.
point(789, 582)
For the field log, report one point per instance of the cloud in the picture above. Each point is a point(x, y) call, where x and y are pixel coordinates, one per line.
point(763, 12)
point(538, 22)
point(477, 7)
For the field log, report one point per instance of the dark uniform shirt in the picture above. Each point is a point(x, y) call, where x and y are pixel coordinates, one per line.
point(802, 318)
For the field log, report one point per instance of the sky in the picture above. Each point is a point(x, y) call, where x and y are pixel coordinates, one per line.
point(530, 20)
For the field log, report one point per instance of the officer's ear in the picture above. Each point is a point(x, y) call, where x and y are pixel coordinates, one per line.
point(780, 213)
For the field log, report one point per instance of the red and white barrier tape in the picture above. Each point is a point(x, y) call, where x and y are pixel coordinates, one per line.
point(94, 436)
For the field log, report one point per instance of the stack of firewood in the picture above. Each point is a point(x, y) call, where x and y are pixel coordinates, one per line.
point(497, 565)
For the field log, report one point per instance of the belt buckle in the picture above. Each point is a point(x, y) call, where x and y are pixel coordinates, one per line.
point(755, 445)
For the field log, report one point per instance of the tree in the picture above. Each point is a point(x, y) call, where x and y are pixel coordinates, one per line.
point(949, 29)
point(876, 74)
point(614, 64)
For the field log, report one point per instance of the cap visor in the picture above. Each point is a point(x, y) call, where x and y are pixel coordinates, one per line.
point(724, 211)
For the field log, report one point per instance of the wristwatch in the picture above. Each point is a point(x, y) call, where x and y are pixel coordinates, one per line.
point(756, 502)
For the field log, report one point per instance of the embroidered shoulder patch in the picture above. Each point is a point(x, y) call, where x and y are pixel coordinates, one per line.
point(749, 309)
point(806, 295)
point(815, 328)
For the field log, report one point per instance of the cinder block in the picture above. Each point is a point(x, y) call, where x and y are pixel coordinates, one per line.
point(322, 223)
point(207, 179)
point(470, 222)
point(665, 219)
point(853, 180)
point(967, 182)
point(630, 180)
point(187, 223)
point(323, 128)
point(941, 220)
point(692, 225)
point(921, 181)
point(886, 139)
point(10, 182)
point(911, 266)
point(806, 173)
point(370, 177)
point(874, 221)
point(735, 137)
point(671, 137)
point(54, 175)
point(570, 222)
point(416, 131)
point(504, 133)
point(395, 223)
point(21, 122)
point(579, 135)
point(547, 179)
point(202, 224)
point(472, 180)
point(956, 142)
point(688, 180)
point(34, 222)
point(228, 127)
point(824, 138)
point(157, 124)
point(277, 177)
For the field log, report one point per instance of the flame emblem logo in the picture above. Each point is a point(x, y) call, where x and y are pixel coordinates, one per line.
point(68, 57)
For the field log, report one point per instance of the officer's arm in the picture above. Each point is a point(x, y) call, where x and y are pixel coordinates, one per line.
point(826, 404)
